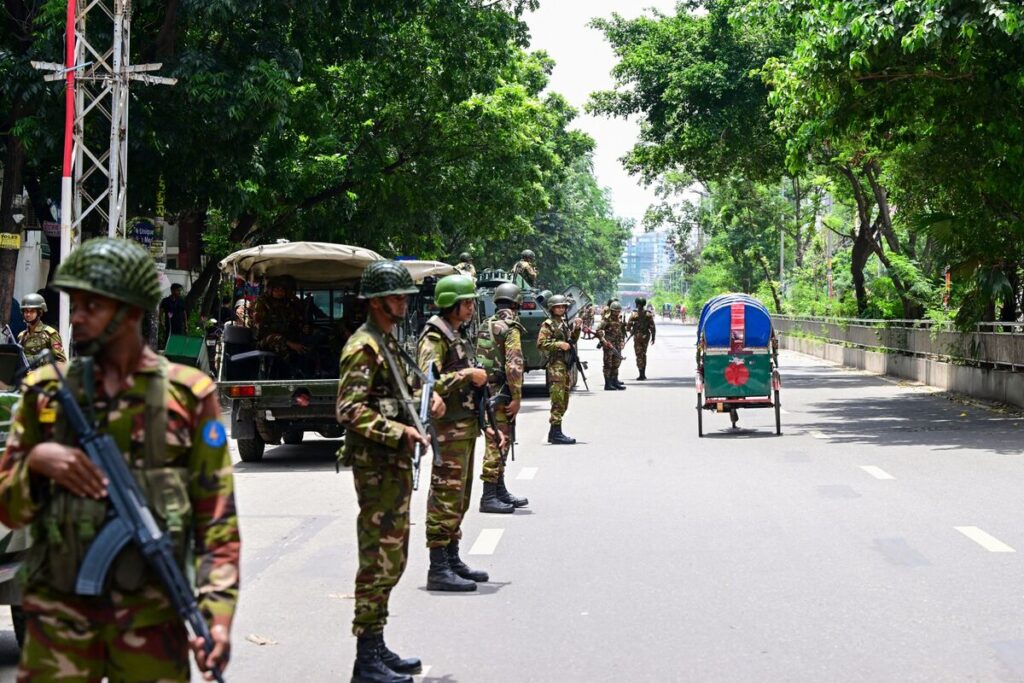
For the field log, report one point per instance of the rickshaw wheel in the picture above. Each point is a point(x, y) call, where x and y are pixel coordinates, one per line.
point(700, 414)
point(778, 414)
point(734, 416)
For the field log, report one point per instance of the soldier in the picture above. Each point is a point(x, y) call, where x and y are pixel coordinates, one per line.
point(442, 346)
point(557, 338)
point(166, 420)
point(588, 321)
point(277, 320)
point(500, 351)
point(524, 272)
point(612, 334)
point(641, 326)
point(379, 445)
point(38, 336)
point(465, 265)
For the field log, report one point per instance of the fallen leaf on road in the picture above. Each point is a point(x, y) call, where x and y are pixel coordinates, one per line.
point(260, 640)
point(963, 414)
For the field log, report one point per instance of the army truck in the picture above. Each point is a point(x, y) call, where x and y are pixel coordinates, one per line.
point(13, 542)
point(532, 313)
point(271, 401)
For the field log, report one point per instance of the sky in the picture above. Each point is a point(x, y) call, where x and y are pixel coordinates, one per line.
point(584, 61)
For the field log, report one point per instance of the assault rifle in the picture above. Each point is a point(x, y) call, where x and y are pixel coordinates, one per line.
point(503, 399)
point(602, 344)
point(485, 403)
point(574, 361)
point(424, 424)
point(129, 520)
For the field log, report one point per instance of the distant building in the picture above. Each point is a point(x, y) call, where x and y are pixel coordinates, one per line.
point(646, 258)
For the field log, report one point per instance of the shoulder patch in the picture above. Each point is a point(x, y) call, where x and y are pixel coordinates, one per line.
point(214, 435)
point(361, 340)
point(196, 381)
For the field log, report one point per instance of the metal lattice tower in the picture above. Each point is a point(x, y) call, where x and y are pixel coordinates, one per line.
point(97, 76)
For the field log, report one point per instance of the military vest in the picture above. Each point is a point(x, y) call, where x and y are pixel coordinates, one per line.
point(67, 524)
point(458, 356)
point(490, 346)
point(560, 333)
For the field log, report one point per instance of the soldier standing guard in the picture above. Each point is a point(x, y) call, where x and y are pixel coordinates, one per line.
point(524, 272)
point(442, 346)
point(465, 265)
point(612, 333)
point(500, 350)
point(556, 338)
point(378, 447)
point(165, 418)
point(641, 326)
point(38, 336)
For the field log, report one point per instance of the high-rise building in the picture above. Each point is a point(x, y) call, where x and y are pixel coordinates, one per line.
point(646, 258)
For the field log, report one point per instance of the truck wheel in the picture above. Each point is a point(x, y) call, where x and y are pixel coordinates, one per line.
point(292, 437)
point(251, 450)
point(18, 619)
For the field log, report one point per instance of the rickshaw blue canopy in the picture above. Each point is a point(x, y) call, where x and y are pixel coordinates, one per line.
point(716, 320)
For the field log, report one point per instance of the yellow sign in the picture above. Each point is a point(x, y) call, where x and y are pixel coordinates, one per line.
point(10, 240)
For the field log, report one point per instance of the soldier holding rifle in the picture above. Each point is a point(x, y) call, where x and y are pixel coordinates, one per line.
point(165, 420)
point(379, 446)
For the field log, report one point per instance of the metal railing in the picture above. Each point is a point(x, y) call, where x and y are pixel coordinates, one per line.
point(996, 345)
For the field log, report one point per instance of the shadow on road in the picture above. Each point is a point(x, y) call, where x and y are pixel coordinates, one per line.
point(312, 456)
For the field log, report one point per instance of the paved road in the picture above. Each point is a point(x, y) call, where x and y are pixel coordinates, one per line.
point(873, 541)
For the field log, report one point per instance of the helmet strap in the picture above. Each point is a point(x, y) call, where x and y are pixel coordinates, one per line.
point(93, 346)
point(392, 316)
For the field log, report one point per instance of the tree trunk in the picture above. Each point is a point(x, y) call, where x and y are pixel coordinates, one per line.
point(766, 267)
point(862, 250)
point(201, 285)
point(14, 162)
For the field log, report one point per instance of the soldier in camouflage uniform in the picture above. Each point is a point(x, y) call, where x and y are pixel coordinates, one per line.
point(499, 349)
point(465, 265)
point(641, 326)
point(166, 419)
point(38, 336)
point(277, 319)
point(524, 272)
point(379, 445)
point(612, 334)
point(442, 346)
point(587, 315)
point(557, 338)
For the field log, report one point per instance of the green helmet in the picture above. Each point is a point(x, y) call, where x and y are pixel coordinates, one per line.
point(556, 300)
point(386, 278)
point(527, 255)
point(451, 289)
point(615, 305)
point(510, 292)
point(33, 301)
point(465, 256)
point(118, 269)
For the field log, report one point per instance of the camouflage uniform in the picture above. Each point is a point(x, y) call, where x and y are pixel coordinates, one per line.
point(641, 326)
point(524, 273)
point(504, 331)
point(466, 268)
point(368, 406)
point(277, 322)
point(451, 484)
point(588, 318)
point(552, 331)
point(39, 337)
point(612, 330)
point(132, 632)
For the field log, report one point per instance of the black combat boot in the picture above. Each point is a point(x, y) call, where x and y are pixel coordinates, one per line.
point(407, 665)
point(491, 502)
point(440, 576)
point(609, 385)
point(369, 667)
point(556, 436)
point(506, 497)
point(618, 385)
point(461, 568)
point(643, 374)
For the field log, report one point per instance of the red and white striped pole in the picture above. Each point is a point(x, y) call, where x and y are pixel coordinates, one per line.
point(66, 189)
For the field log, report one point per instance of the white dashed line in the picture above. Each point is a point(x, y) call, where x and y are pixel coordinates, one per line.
point(984, 539)
point(527, 473)
point(486, 542)
point(818, 435)
point(876, 472)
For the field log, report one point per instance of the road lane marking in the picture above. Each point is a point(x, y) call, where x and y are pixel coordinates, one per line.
point(486, 542)
point(783, 411)
point(818, 435)
point(985, 540)
point(527, 473)
point(876, 472)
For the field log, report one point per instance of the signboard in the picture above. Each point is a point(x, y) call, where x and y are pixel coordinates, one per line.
point(142, 231)
point(158, 249)
point(10, 240)
point(51, 229)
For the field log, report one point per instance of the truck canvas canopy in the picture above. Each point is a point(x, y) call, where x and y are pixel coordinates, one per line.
point(310, 263)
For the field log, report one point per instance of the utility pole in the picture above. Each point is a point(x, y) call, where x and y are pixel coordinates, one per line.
point(96, 75)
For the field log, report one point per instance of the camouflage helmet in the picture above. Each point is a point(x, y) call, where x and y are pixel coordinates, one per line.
point(465, 256)
point(451, 289)
point(556, 300)
point(527, 255)
point(510, 292)
point(615, 305)
point(118, 269)
point(33, 302)
point(386, 278)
